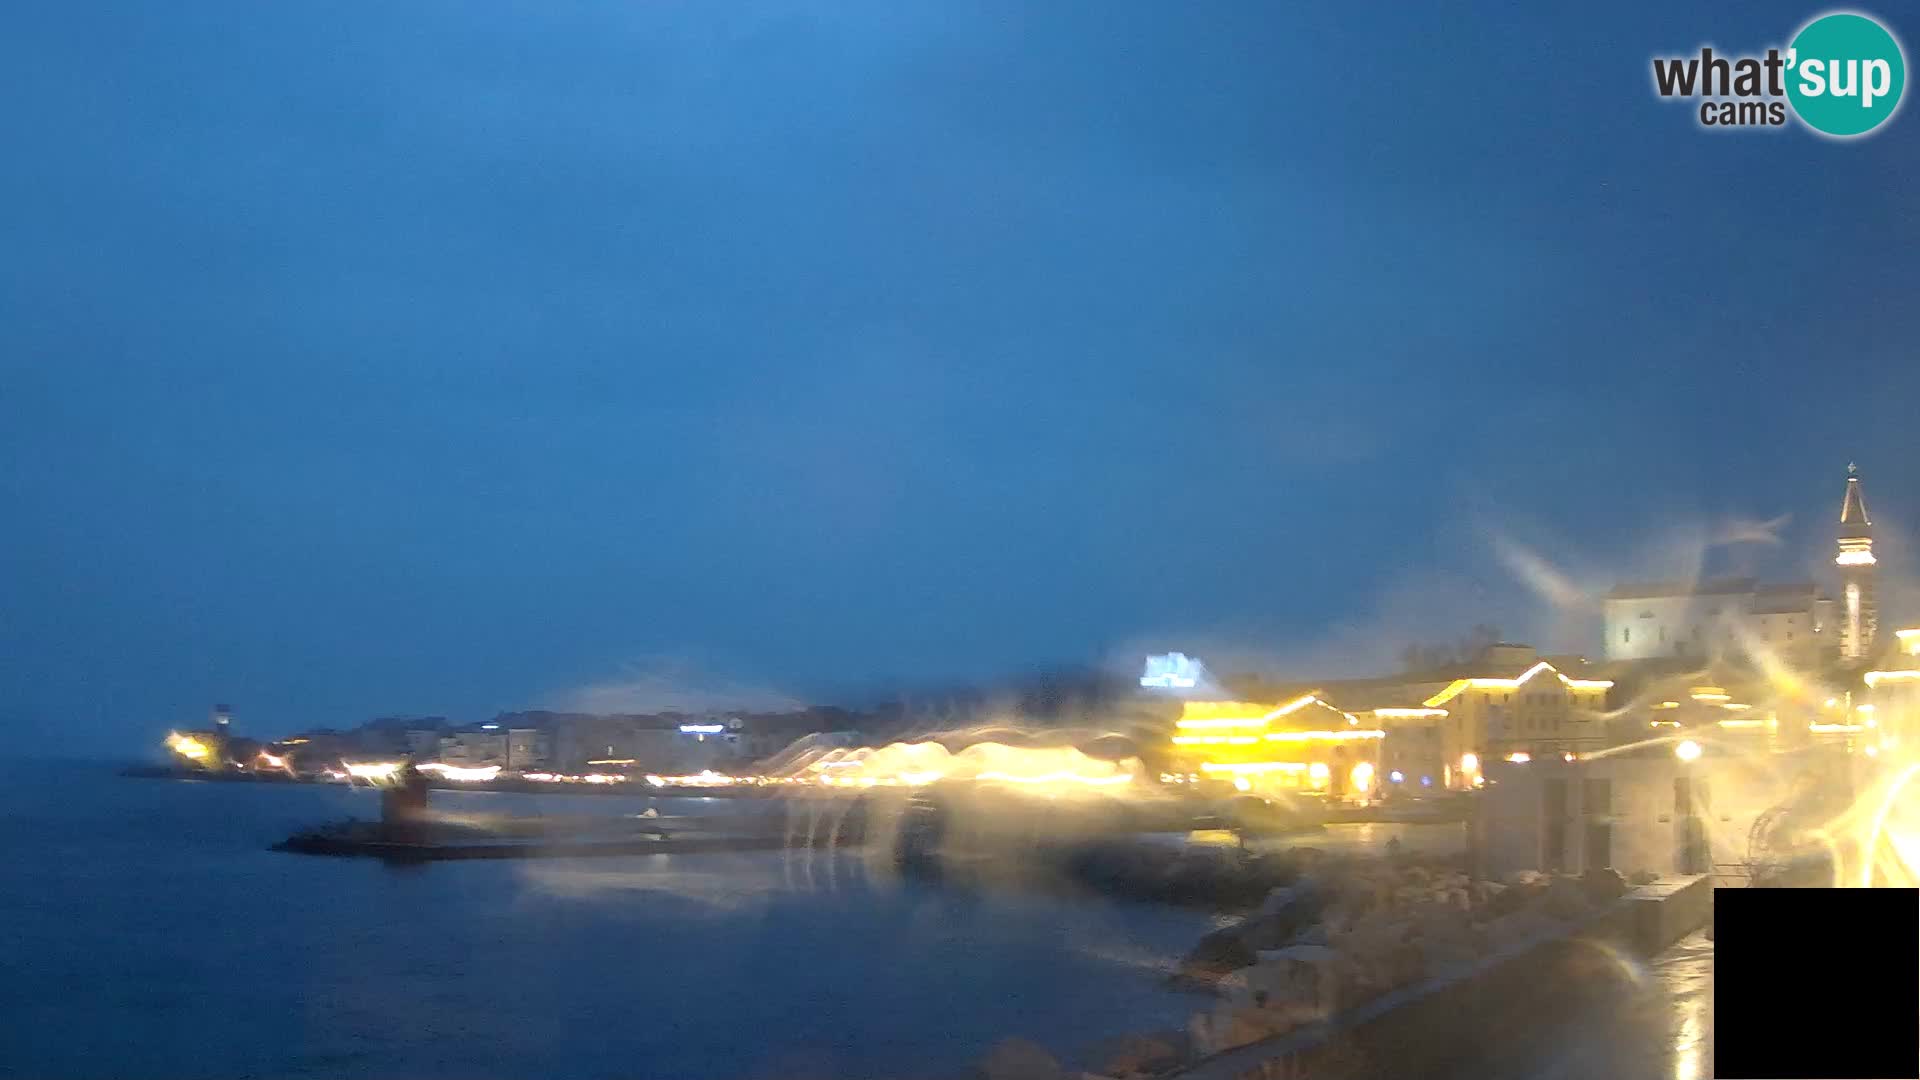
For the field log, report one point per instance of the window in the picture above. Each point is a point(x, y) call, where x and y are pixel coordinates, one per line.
point(1663, 635)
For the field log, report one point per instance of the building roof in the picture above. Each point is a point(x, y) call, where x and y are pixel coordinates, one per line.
point(1413, 689)
point(1371, 695)
point(1647, 590)
point(1853, 509)
point(1512, 682)
point(1785, 599)
point(1774, 599)
point(1856, 531)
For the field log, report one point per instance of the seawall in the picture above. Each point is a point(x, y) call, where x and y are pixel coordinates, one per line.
point(1420, 1029)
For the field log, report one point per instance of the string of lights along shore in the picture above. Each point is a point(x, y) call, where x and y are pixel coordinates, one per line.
point(1751, 663)
point(1730, 733)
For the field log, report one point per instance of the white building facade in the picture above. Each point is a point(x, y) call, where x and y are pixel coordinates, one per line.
point(1653, 620)
point(1797, 623)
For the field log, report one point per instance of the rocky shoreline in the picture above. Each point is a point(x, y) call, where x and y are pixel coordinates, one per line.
point(1222, 878)
point(1338, 934)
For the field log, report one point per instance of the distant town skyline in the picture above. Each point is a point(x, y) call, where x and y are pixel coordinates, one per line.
point(455, 360)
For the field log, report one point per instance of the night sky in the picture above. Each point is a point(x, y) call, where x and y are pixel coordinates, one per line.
point(447, 358)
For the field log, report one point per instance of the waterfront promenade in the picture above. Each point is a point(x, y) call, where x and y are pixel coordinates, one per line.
point(1657, 1025)
point(1343, 838)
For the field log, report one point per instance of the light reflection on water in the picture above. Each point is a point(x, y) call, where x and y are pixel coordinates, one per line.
point(157, 935)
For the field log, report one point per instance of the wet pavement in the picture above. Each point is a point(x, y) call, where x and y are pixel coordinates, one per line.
point(1657, 1024)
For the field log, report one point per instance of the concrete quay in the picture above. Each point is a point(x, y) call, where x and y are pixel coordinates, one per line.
point(1469, 1022)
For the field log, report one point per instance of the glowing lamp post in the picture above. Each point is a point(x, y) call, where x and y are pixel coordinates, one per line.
point(1695, 849)
point(1470, 770)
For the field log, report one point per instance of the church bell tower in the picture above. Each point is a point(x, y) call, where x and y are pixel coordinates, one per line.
point(1859, 618)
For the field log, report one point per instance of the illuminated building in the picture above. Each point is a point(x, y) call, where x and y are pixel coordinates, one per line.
point(1439, 724)
point(1173, 671)
point(1722, 703)
point(1056, 770)
point(1859, 616)
point(1730, 616)
point(1538, 710)
point(1797, 623)
point(1412, 758)
point(1890, 718)
point(196, 749)
point(213, 747)
point(1303, 744)
point(514, 748)
point(667, 744)
point(474, 746)
point(676, 744)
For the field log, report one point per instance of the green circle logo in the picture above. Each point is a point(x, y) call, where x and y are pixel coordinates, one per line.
point(1845, 74)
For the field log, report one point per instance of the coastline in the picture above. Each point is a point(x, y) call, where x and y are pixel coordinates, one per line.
point(510, 785)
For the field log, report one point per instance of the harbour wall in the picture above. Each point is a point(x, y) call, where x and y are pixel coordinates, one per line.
point(1421, 1029)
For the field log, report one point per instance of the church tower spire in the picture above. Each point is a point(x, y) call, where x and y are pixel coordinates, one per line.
point(1860, 618)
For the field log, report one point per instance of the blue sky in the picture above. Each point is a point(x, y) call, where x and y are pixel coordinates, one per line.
point(450, 357)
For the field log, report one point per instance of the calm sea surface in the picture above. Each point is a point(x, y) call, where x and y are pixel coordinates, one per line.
point(148, 932)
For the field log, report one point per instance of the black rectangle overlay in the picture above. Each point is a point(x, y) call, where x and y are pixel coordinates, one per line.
point(1816, 984)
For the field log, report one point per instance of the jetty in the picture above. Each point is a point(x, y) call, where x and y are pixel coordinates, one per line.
point(410, 831)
